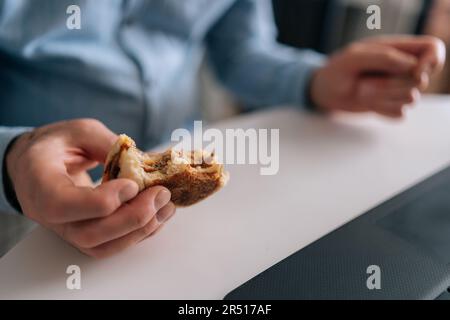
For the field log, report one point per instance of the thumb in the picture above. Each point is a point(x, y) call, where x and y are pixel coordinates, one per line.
point(81, 203)
point(433, 58)
point(118, 191)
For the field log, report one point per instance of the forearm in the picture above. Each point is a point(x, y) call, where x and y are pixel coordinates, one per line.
point(247, 59)
point(7, 135)
point(273, 76)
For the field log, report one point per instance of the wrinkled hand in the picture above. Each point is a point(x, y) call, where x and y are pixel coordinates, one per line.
point(380, 74)
point(48, 169)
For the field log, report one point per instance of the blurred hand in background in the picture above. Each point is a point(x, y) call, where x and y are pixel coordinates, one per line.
point(381, 75)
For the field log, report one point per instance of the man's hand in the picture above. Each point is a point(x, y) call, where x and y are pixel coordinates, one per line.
point(380, 74)
point(48, 168)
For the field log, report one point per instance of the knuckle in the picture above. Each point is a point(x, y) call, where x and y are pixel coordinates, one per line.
point(141, 211)
point(33, 152)
point(149, 228)
point(158, 229)
point(103, 206)
point(140, 218)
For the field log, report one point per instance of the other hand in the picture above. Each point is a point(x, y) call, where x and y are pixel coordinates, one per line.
point(382, 75)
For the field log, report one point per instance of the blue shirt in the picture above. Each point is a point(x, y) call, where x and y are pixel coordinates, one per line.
point(133, 64)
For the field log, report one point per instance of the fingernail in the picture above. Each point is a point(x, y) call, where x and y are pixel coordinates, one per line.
point(165, 213)
point(162, 198)
point(128, 192)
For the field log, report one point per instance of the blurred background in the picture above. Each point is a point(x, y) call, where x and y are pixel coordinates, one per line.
point(325, 26)
point(328, 25)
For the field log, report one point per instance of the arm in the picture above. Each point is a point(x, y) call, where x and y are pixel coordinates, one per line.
point(248, 61)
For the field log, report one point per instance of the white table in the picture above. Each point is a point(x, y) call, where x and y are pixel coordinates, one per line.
point(331, 170)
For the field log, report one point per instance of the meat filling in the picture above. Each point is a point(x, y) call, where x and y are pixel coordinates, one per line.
point(113, 168)
point(149, 165)
point(159, 165)
point(162, 163)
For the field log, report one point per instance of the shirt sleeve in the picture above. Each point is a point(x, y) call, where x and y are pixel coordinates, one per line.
point(7, 134)
point(249, 62)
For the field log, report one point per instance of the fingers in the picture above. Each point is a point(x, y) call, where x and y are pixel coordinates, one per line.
point(381, 74)
point(65, 202)
point(407, 43)
point(387, 95)
point(131, 216)
point(166, 212)
point(430, 51)
point(396, 113)
point(364, 58)
point(110, 248)
point(404, 96)
point(115, 246)
point(163, 215)
point(389, 108)
point(374, 89)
